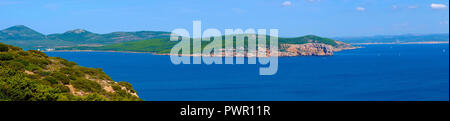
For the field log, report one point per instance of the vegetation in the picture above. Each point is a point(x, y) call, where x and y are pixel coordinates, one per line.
point(27, 38)
point(162, 46)
point(307, 39)
point(140, 41)
point(33, 76)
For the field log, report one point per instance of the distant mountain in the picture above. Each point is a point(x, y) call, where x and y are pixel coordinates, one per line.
point(130, 36)
point(396, 38)
point(79, 35)
point(83, 36)
point(20, 32)
point(27, 38)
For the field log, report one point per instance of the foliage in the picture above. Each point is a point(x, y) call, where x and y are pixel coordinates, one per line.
point(27, 38)
point(68, 63)
point(164, 45)
point(307, 39)
point(127, 86)
point(86, 85)
point(61, 77)
point(4, 48)
point(6, 56)
point(33, 76)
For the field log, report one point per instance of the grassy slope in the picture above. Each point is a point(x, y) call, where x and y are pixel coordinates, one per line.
point(33, 76)
point(164, 45)
point(27, 38)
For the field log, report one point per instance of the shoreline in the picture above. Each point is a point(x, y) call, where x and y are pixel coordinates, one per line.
point(400, 43)
point(342, 49)
point(110, 51)
point(168, 54)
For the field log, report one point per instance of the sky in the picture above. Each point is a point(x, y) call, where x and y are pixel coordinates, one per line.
point(329, 18)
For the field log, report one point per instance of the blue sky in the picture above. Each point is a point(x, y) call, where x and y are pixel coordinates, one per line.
point(330, 18)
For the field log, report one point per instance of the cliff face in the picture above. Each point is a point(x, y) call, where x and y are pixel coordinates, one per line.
point(309, 49)
point(312, 49)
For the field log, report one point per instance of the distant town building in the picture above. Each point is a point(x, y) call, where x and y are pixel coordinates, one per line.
point(50, 49)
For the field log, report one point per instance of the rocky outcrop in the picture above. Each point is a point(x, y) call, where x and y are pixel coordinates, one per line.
point(308, 49)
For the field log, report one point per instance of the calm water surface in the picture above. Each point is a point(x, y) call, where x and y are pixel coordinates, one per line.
point(376, 72)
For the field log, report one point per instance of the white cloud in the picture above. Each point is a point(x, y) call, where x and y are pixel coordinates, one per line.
point(438, 6)
point(287, 3)
point(360, 9)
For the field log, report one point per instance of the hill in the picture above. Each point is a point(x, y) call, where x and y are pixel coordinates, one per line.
point(33, 76)
point(20, 32)
point(27, 38)
point(146, 41)
point(164, 46)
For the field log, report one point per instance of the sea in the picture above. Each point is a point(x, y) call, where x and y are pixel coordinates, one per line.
point(389, 72)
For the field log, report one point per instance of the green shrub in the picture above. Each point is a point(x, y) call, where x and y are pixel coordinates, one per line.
point(63, 88)
point(12, 65)
point(33, 76)
point(41, 62)
point(44, 73)
point(38, 53)
point(68, 63)
point(72, 72)
point(3, 48)
point(116, 87)
point(23, 53)
point(24, 62)
point(33, 68)
point(86, 85)
point(61, 77)
point(90, 71)
point(47, 83)
point(52, 80)
point(66, 70)
point(73, 77)
point(127, 85)
point(6, 56)
point(14, 48)
point(16, 65)
point(94, 97)
point(18, 88)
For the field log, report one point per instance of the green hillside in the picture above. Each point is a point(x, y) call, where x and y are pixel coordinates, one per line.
point(27, 38)
point(153, 45)
point(307, 39)
point(79, 35)
point(165, 45)
point(20, 32)
point(33, 76)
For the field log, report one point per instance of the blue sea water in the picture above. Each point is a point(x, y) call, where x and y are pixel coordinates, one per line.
point(416, 72)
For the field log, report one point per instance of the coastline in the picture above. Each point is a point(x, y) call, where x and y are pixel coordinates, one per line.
point(386, 43)
point(168, 54)
point(111, 51)
point(337, 49)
